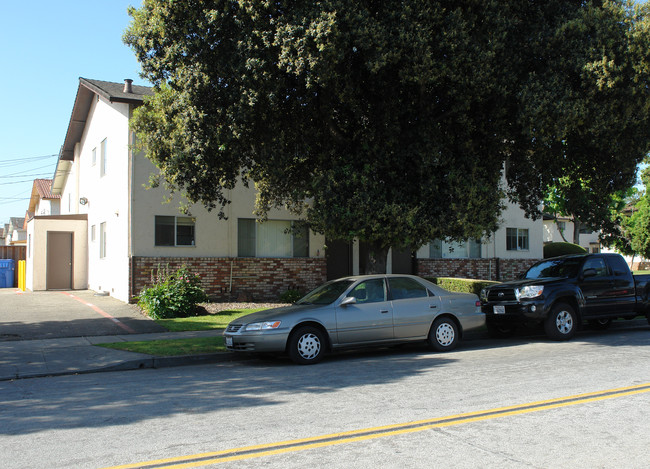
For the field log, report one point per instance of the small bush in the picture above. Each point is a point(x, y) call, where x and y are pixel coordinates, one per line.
point(290, 296)
point(461, 285)
point(562, 249)
point(172, 295)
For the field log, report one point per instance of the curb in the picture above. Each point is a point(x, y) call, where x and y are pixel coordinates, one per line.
point(138, 364)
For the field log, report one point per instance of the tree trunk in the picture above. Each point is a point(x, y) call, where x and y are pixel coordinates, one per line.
point(576, 230)
point(561, 231)
point(377, 256)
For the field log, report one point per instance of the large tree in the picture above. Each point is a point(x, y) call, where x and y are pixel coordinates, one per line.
point(390, 122)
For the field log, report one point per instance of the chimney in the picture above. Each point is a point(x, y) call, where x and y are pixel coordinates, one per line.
point(128, 88)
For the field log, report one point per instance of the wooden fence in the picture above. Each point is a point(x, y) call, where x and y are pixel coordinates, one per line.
point(17, 253)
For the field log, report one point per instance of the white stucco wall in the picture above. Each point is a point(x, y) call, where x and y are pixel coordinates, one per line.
point(588, 241)
point(107, 195)
point(213, 237)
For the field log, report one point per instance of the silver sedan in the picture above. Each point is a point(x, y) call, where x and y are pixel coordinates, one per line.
point(359, 311)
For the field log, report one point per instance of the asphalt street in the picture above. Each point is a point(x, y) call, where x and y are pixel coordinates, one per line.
point(523, 402)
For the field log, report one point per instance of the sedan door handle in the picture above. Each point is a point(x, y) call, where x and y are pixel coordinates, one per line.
point(383, 311)
point(432, 306)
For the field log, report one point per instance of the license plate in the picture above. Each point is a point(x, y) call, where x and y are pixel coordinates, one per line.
point(228, 341)
point(499, 310)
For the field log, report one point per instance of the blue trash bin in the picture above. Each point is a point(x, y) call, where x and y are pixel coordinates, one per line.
point(7, 268)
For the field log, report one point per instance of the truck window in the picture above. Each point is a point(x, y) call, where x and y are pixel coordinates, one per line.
point(598, 264)
point(618, 265)
point(556, 268)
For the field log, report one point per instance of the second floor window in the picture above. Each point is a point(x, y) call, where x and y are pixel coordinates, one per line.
point(103, 158)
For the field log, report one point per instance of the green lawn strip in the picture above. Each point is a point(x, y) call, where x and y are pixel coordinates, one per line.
point(171, 347)
point(204, 323)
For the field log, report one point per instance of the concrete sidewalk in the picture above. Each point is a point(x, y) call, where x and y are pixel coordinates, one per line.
point(75, 355)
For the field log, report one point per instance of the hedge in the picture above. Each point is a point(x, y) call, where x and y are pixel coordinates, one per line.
point(461, 285)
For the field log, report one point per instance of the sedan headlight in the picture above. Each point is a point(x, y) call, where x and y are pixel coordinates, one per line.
point(263, 326)
point(529, 291)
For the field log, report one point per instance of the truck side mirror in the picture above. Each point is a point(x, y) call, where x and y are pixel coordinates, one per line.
point(589, 273)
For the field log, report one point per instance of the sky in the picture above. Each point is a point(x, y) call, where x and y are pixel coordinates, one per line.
point(45, 47)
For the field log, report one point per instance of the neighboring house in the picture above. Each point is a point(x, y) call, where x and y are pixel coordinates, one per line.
point(113, 234)
point(2, 234)
point(15, 234)
point(560, 229)
point(42, 201)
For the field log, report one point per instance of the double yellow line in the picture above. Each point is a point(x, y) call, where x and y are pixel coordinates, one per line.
point(250, 452)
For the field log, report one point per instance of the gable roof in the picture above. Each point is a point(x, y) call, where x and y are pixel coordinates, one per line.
point(41, 189)
point(112, 92)
point(88, 89)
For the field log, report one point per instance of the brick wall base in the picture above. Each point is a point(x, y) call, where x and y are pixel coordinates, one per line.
point(480, 269)
point(241, 279)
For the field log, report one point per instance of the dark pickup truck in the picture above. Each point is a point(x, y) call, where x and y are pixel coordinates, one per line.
point(565, 291)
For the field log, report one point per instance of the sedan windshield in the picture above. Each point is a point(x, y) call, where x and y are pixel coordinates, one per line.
point(559, 268)
point(325, 294)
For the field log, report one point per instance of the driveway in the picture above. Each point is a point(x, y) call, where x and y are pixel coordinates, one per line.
point(49, 315)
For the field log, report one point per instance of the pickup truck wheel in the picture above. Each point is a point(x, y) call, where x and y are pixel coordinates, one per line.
point(561, 322)
point(444, 335)
point(600, 324)
point(499, 331)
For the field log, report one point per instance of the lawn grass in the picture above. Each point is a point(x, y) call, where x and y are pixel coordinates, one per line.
point(173, 347)
point(178, 347)
point(204, 323)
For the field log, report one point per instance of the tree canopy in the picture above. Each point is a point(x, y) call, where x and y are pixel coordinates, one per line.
point(390, 122)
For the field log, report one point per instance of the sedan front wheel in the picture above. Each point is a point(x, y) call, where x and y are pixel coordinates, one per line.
point(306, 346)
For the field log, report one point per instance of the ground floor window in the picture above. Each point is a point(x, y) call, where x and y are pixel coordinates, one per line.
point(470, 249)
point(517, 239)
point(272, 238)
point(174, 231)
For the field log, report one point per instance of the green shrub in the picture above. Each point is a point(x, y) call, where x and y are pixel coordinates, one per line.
point(172, 295)
point(562, 249)
point(461, 285)
point(290, 296)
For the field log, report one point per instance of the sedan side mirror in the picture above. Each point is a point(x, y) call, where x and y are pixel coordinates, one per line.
point(348, 300)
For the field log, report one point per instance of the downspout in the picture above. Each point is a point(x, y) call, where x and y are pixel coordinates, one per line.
point(131, 142)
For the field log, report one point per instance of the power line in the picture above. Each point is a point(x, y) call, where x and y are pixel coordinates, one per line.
point(18, 161)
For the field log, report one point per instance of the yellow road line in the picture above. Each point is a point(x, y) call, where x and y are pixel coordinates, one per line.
point(250, 452)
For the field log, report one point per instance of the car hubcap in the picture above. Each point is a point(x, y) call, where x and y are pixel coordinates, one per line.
point(564, 322)
point(445, 334)
point(309, 346)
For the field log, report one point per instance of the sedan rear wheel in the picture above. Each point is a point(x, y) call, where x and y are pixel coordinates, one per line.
point(444, 335)
point(306, 346)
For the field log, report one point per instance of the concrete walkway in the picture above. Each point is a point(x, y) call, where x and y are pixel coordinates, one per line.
point(55, 333)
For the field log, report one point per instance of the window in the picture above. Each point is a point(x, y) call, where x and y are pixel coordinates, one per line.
point(404, 287)
point(470, 249)
point(370, 291)
point(102, 240)
point(272, 238)
point(174, 231)
point(103, 158)
point(92, 233)
point(561, 225)
point(598, 265)
point(516, 239)
point(93, 159)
